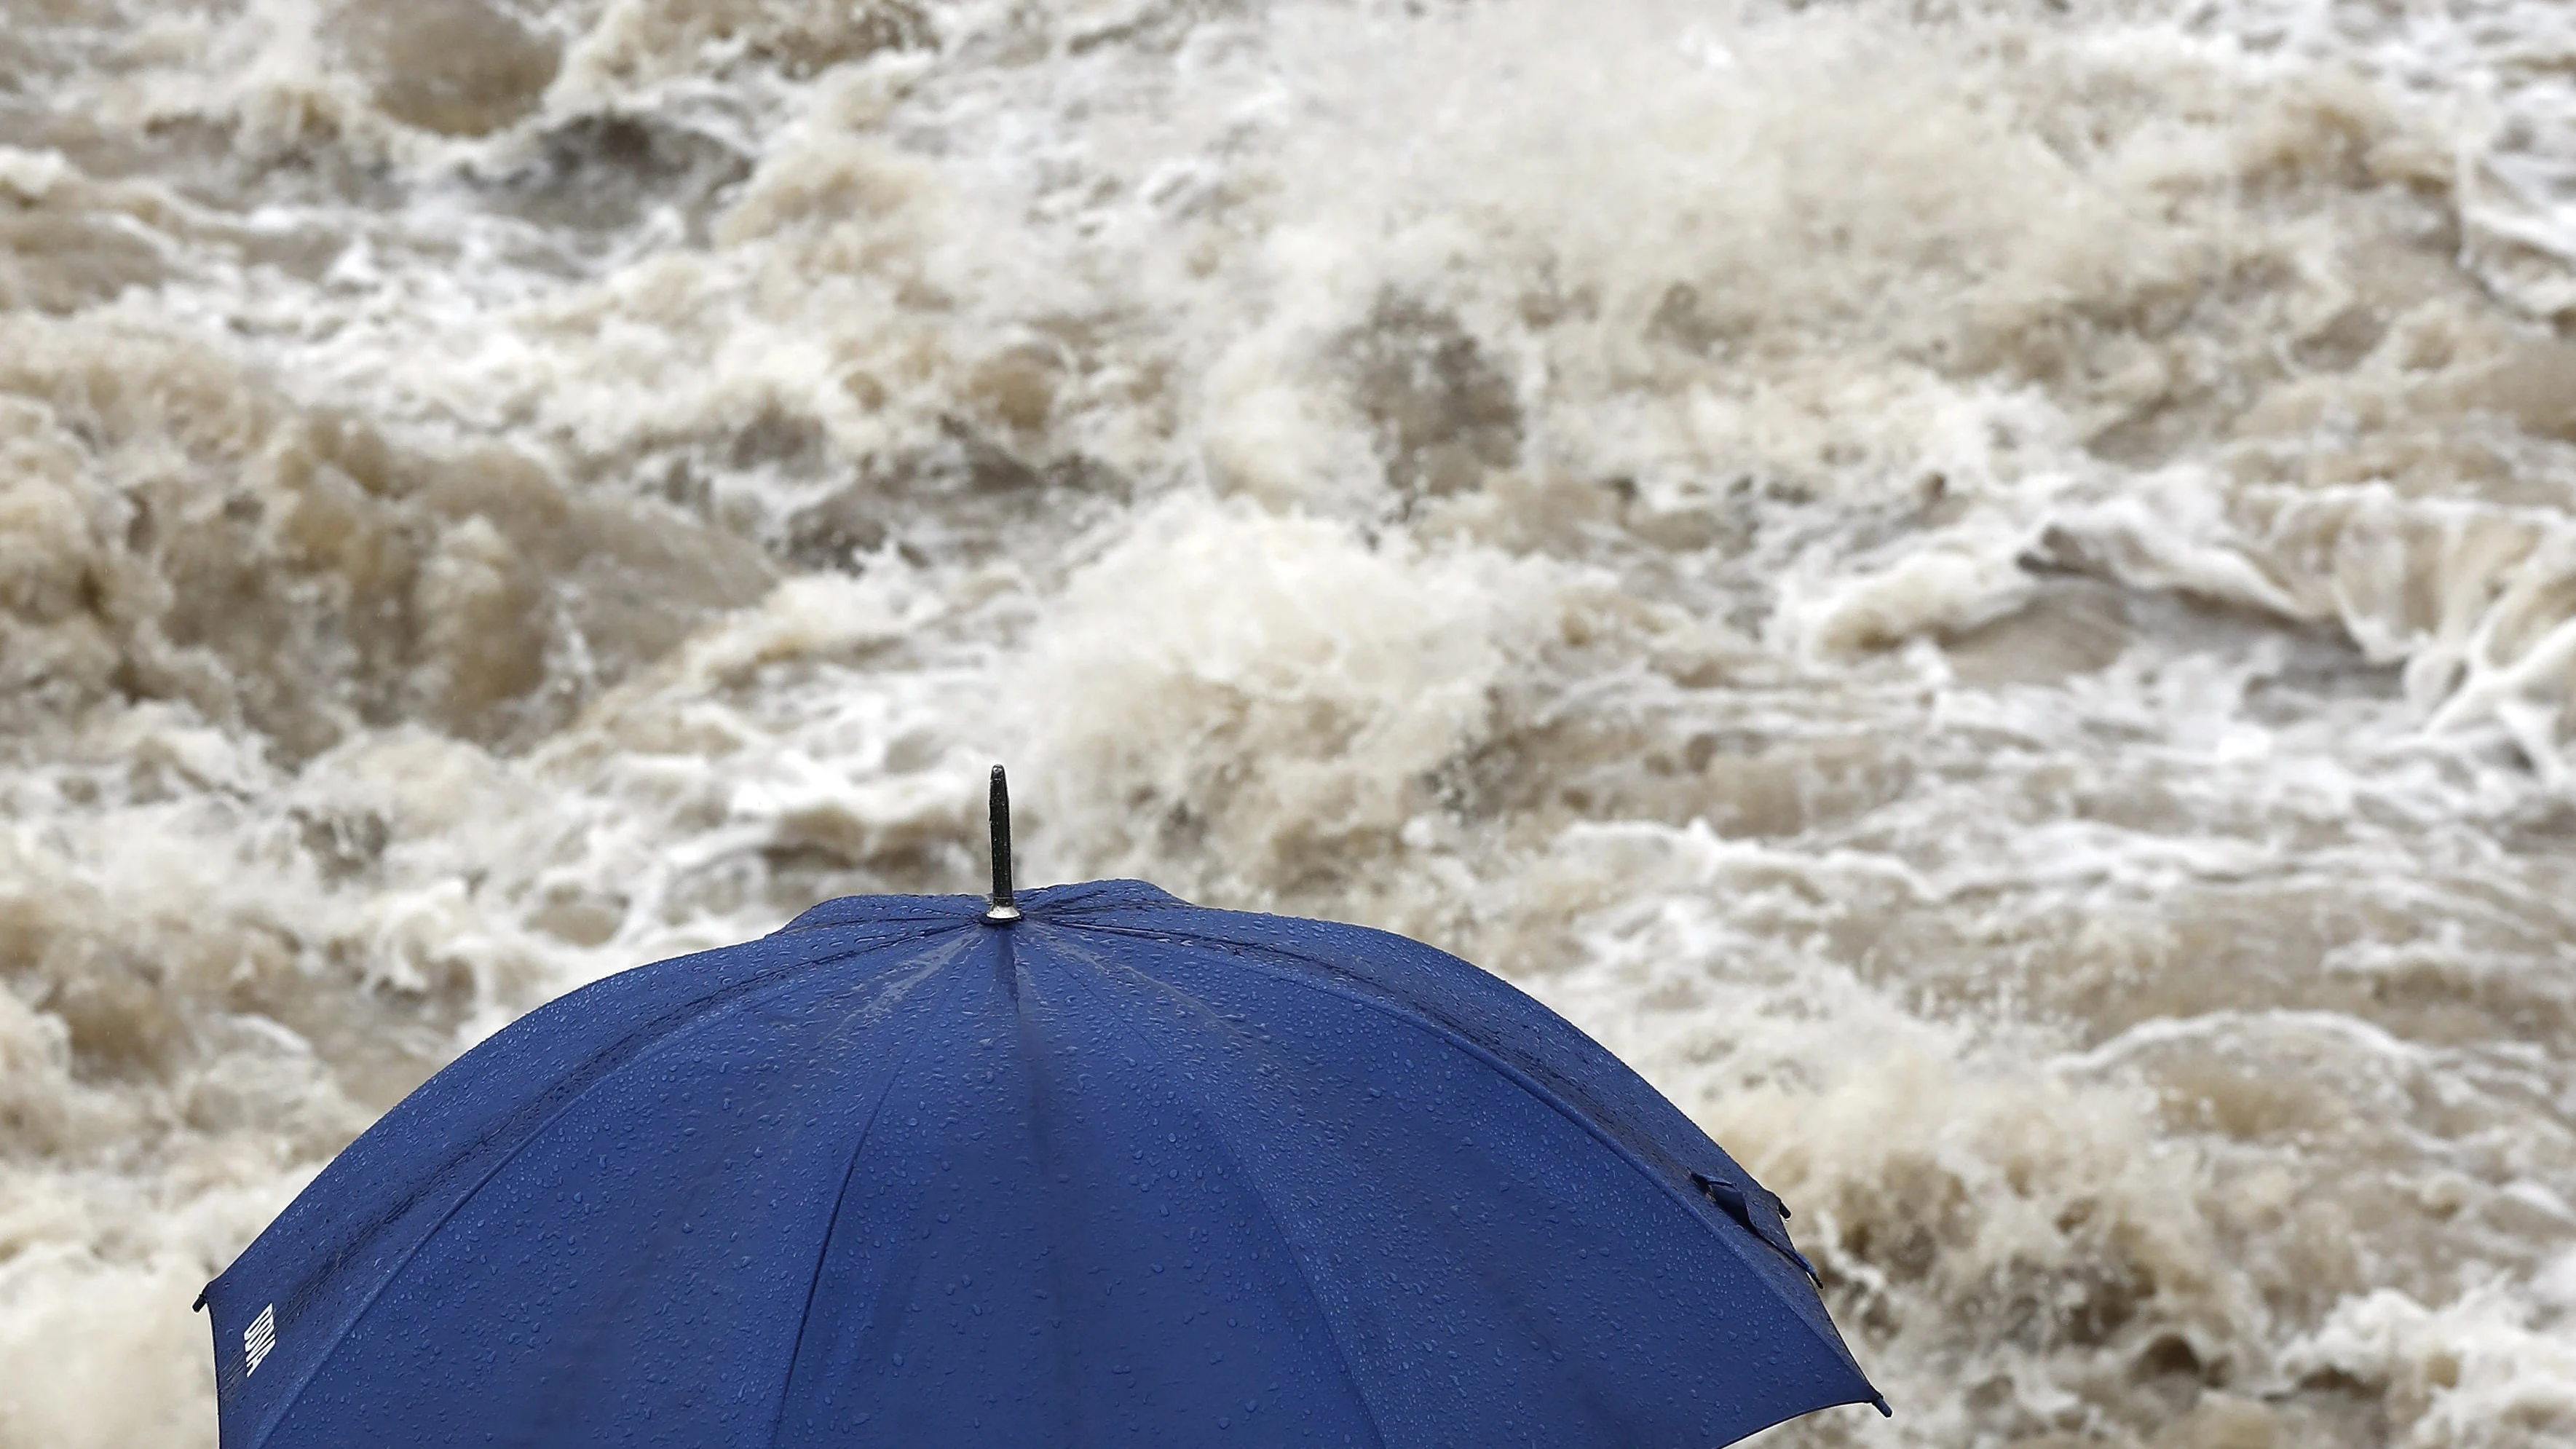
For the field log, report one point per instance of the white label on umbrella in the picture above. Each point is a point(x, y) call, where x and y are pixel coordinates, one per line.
point(259, 1338)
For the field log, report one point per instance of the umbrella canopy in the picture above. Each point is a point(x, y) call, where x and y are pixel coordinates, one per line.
point(1106, 1168)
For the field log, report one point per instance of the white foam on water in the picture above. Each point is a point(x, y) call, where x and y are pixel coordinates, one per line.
point(1986, 592)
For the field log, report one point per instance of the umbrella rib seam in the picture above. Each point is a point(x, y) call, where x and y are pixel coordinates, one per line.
point(1288, 1249)
point(783, 976)
point(823, 1255)
point(933, 920)
point(1043, 1133)
point(1523, 1080)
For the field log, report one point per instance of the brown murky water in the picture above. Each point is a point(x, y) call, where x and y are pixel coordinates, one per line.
point(1986, 591)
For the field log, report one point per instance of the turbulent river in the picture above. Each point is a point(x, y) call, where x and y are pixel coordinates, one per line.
point(1987, 592)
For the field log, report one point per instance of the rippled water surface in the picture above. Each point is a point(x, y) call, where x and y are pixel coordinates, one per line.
point(1986, 591)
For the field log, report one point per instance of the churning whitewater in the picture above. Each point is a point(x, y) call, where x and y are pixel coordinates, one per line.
point(1986, 591)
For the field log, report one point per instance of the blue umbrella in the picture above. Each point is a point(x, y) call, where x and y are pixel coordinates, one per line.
point(1088, 1167)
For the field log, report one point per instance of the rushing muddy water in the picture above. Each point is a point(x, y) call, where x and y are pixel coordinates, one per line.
point(1986, 591)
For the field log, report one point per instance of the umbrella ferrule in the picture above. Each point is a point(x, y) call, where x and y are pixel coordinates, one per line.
point(1001, 912)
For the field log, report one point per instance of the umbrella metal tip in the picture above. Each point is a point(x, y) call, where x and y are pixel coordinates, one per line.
point(998, 804)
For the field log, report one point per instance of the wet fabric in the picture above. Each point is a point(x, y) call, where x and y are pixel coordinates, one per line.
point(1126, 1171)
